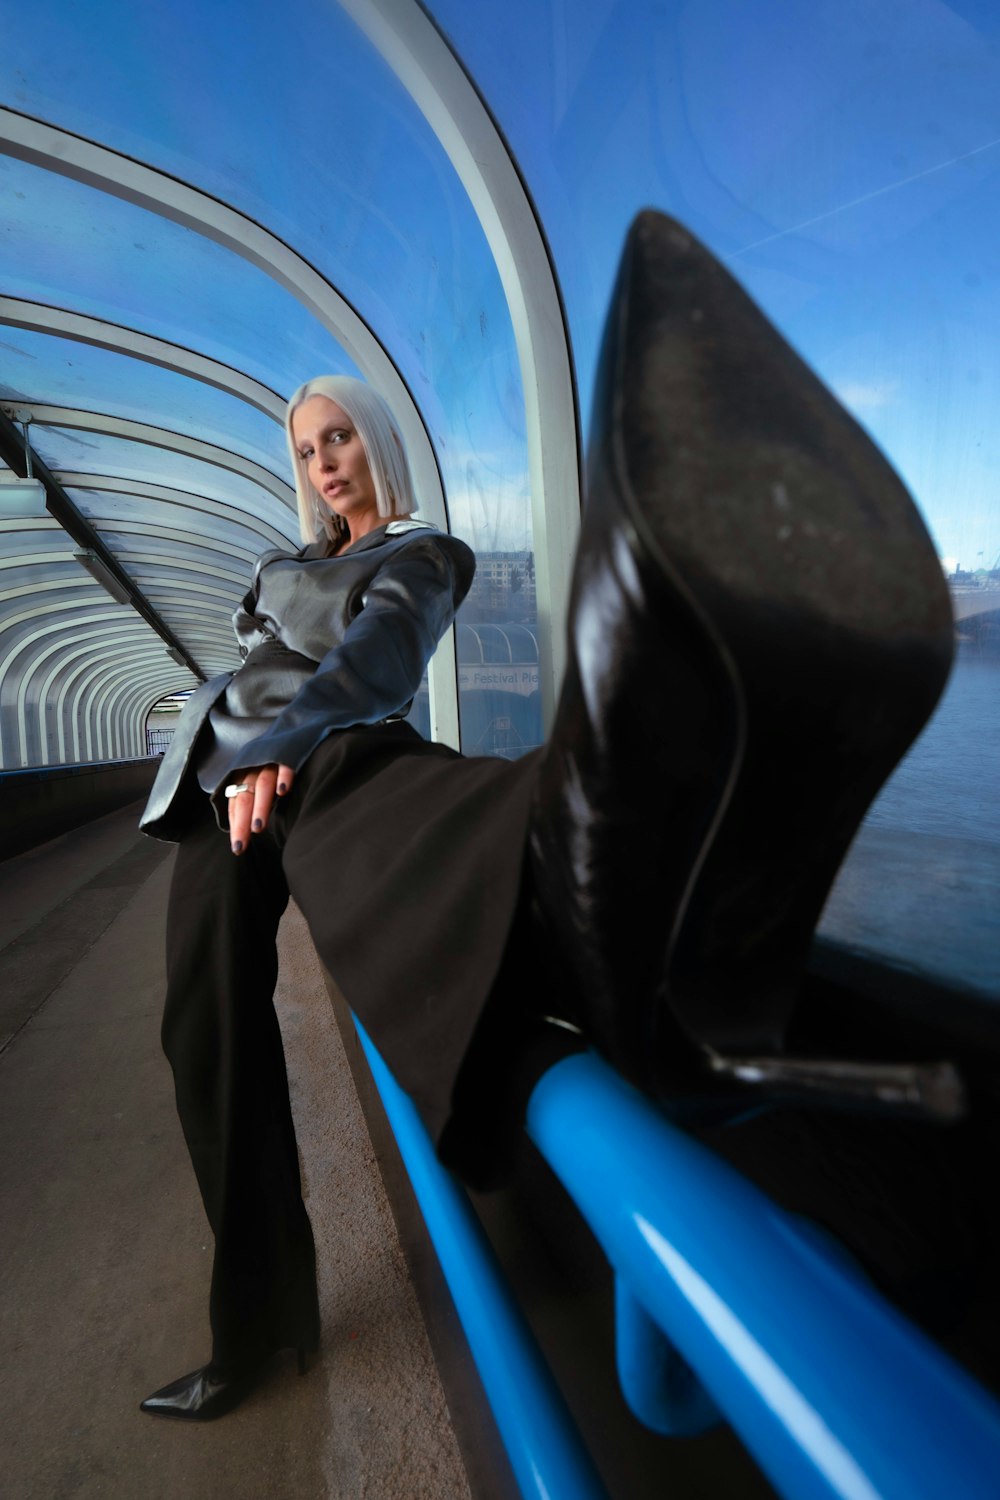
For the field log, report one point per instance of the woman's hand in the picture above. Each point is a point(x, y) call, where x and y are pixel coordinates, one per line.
point(250, 810)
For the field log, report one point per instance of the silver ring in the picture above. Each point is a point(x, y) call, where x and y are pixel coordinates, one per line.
point(232, 790)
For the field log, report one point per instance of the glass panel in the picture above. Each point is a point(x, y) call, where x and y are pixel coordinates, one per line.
point(498, 658)
point(841, 160)
point(133, 267)
point(225, 525)
point(277, 528)
point(228, 559)
point(65, 372)
point(19, 541)
point(214, 594)
point(369, 199)
point(64, 448)
point(224, 564)
point(844, 162)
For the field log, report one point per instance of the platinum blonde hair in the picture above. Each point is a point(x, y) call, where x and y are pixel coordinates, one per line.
point(384, 448)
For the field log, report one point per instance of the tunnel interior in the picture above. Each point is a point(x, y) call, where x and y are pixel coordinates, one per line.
point(206, 205)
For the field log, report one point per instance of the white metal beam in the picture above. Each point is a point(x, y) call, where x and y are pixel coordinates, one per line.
point(145, 490)
point(72, 156)
point(43, 415)
point(406, 37)
point(42, 317)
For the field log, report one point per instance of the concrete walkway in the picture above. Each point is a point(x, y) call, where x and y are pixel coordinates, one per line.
point(104, 1253)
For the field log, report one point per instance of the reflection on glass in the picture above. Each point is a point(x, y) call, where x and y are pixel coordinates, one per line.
point(844, 163)
point(498, 657)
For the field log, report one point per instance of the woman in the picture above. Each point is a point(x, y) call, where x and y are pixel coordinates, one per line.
point(758, 629)
point(299, 772)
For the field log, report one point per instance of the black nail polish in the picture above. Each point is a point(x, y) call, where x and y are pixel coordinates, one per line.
point(238, 847)
point(282, 787)
point(258, 824)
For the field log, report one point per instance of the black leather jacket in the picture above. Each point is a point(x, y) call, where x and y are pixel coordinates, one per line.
point(356, 633)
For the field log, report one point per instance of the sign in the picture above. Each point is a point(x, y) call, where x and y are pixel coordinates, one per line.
point(509, 677)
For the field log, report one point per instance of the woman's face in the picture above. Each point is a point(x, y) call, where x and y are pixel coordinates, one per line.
point(335, 462)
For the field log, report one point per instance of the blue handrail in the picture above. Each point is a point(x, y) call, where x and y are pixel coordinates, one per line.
point(544, 1448)
point(831, 1389)
point(726, 1304)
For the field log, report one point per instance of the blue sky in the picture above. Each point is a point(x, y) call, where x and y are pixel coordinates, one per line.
point(842, 157)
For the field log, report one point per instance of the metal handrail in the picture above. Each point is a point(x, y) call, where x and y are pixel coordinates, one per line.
point(726, 1304)
point(544, 1448)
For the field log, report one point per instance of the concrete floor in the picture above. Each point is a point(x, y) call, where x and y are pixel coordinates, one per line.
point(104, 1253)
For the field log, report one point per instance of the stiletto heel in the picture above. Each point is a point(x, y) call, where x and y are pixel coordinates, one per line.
point(759, 628)
point(922, 1091)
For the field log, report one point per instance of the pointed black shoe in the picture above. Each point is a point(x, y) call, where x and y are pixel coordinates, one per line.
point(210, 1392)
point(758, 630)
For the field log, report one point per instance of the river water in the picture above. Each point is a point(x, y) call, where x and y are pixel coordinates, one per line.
point(949, 783)
point(921, 884)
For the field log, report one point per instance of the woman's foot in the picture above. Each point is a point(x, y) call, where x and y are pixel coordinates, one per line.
point(759, 629)
point(211, 1391)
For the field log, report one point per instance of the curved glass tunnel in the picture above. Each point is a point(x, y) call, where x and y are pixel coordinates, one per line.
point(176, 259)
point(192, 226)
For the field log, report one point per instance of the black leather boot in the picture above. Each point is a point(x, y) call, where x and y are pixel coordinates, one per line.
point(210, 1392)
point(203, 1395)
point(759, 628)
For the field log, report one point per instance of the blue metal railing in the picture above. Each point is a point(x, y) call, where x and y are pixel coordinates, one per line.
point(725, 1304)
point(548, 1459)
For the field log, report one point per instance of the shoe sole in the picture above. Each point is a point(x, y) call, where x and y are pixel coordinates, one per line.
point(741, 521)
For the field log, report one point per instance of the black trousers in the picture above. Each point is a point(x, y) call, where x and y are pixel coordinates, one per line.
point(221, 1036)
point(406, 861)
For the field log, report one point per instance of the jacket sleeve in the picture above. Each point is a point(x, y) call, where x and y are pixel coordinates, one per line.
point(377, 666)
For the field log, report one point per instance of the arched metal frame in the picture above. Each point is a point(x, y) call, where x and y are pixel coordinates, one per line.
point(207, 544)
point(71, 665)
point(506, 630)
point(103, 654)
point(229, 596)
point(84, 671)
point(145, 490)
point(105, 694)
point(47, 586)
point(42, 317)
point(421, 59)
point(159, 437)
point(29, 559)
point(109, 614)
point(35, 729)
point(425, 65)
point(150, 702)
point(63, 152)
point(15, 445)
point(467, 630)
point(172, 597)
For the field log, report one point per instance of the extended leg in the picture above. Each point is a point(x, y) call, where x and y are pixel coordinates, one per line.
point(221, 1036)
point(759, 628)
